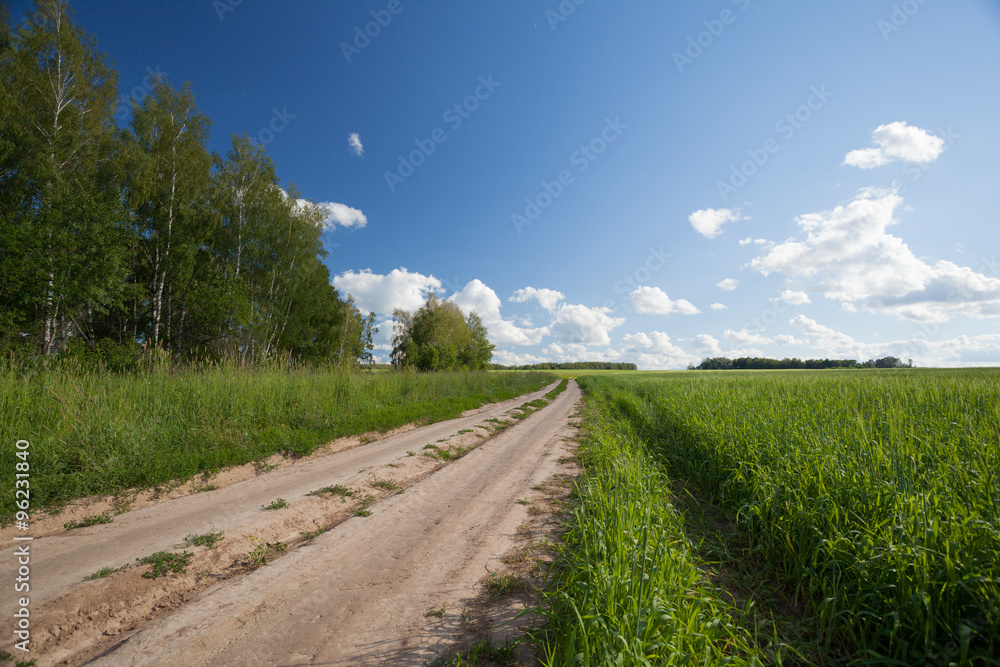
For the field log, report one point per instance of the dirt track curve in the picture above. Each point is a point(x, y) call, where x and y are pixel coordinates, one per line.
point(357, 594)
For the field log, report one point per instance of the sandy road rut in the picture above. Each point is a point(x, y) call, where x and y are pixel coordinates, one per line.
point(357, 594)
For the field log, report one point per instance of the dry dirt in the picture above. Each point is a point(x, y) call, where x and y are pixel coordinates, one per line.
point(339, 587)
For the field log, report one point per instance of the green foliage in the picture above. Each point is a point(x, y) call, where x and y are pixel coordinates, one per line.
point(764, 363)
point(118, 245)
point(97, 433)
point(209, 539)
point(437, 338)
point(163, 562)
point(872, 494)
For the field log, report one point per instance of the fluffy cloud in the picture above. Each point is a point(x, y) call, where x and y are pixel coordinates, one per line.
point(655, 351)
point(577, 324)
point(748, 240)
point(728, 285)
point(744, 337)
point(851, 258)
point(546, 298)
point(832, 343)
point(354, 141)
point(343, 215)
point(478, 297)
point(708, 221)
point(718, 306)
point(785, 339)
point(897, 141)
point(654, 300)
point(375, 293)
point(796, 298)
point(707, 346)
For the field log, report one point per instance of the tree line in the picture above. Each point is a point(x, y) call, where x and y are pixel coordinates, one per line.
point(114, 241)
point(569, 366)
point(763, 363)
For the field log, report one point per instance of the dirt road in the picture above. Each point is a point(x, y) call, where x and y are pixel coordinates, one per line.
point(357, 594)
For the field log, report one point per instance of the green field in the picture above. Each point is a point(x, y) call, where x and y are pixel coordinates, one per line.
point(827, 517)
point(104, 433)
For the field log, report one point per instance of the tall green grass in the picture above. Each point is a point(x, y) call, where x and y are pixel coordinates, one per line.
point(102, 433)
point(626, 588)
point(875, 495)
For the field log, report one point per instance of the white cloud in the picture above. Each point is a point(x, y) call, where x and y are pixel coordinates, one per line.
point(354, 141)
point(796, 298)
point(380, 294)
point(581, 325)
point(832, 343)
point(708, 221)
point(654, 300)
point(718, 306)
point(785, 339)
point(897, 141)
point(748, 240)
point(728, 285)
point(707, 346)
point(851, 259)
point(547, 298)
point(343, 215)
point(655, 351)
point(383, 337)
point(508, 358)
point(480, 298)
point(744, 337)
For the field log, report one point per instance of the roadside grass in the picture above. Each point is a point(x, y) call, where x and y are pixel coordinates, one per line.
point(483, 652)
point(864, 502)
point(104, 433)
point(339, 490)
point(261, 551)
point(276, 504)
point(104, 572)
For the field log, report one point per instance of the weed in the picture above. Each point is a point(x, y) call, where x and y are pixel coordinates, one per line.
point(335, 490)
point(276, 504)
point(311, 534)
point(436, 613)
point(499, 585)
point(203, 574)
point(485, 651)
point(410, 452)
point(88, 521)
point(163, 562)
point(465, 430)
point(387, 484)
point(362, 512)
point(104, 572)
point(207, 540)
point(261, 551)
point(262, 468)
point(206, 487)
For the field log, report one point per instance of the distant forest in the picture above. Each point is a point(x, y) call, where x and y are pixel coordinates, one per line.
point(763, 363)
point(571, 366)
point(118, 242)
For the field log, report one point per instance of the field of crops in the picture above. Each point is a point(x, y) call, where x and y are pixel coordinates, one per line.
point(103, 433)
point(866, 504)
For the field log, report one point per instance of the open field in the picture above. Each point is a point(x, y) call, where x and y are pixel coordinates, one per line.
point(835, 517)
point(100, 433)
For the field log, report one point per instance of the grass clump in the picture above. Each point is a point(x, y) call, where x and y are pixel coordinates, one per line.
point(164, 562)
point(276, 504)
point(207, 540)
point(261, 551)
point(335, 490)
point(104, 572)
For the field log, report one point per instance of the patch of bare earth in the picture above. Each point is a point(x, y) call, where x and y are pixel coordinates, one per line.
point(400, 526)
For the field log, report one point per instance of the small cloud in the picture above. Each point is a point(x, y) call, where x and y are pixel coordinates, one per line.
point(748, 240)
point(343, 215)
point(796, 298)
point(897, 141)
point(718, 306)
point(728, 285)
point(354, 141)
point(547, 298)
point(708, 222)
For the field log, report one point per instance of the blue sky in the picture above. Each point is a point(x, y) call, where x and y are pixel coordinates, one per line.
point(633, 181)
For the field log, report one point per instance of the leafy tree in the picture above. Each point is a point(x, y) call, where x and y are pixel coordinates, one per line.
point(62, 250)
point(437, 337)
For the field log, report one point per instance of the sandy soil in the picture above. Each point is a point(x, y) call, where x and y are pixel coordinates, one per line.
point(355, 591)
